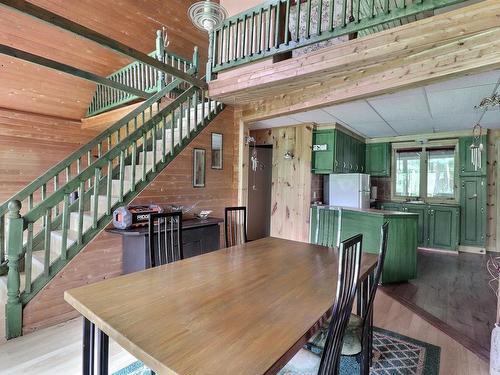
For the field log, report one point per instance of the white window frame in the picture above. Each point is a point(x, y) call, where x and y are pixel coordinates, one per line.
point(423, 170)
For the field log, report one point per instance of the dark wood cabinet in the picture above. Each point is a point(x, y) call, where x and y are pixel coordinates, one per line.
point(198, 237)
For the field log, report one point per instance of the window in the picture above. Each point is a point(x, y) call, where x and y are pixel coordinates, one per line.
point(408, 173)
point(441, 173)
point(425, 172)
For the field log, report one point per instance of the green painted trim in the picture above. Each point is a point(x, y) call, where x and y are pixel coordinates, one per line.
point(369, 22)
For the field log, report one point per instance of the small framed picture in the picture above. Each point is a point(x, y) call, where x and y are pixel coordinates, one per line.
point(216, 151)
point(198, 168)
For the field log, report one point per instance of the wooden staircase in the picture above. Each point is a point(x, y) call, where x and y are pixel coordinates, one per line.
point(55, 217)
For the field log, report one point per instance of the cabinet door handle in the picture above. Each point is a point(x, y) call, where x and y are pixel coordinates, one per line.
point(473, 197)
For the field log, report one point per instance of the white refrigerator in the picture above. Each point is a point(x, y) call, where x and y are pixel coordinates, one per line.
point(347, 190)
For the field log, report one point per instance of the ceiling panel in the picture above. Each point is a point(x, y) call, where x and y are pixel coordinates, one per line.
point(406, 127)
point(318, 116)
point(352, 112)
point(374, 129)
point(405, 105)
point(444, 103)
point(480, 79)
point(274, 122)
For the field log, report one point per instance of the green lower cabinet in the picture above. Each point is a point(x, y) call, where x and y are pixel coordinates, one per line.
point(443, 227)
point(438, 225)
point(422, 224)
point(401, 258)
point(473, 211)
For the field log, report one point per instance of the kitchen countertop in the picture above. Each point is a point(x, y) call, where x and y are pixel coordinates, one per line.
point(372, 211)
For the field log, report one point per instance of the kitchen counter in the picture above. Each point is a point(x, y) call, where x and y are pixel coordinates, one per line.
point(401, 257)
point(372, 211)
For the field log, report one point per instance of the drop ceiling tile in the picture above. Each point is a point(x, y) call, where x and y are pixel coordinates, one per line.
point(373, 129)
point(455, 122)
point(404, 105)
point(458, 101)
point(487, 78)
point(354, 112)
point(491, 119)
point(408, 127)
point(318, 116)
point(275, 122)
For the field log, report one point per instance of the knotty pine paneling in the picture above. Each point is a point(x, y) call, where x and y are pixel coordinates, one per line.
point(31, 144)
point(291, 180)
point(102, 258)
point(131, 22)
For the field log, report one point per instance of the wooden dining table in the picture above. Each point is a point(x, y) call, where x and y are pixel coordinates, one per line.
point(242, 310)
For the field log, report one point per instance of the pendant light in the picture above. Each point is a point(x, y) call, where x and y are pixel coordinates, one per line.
point(207, 15)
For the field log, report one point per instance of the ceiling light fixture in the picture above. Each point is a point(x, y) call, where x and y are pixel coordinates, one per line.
point(207, 15)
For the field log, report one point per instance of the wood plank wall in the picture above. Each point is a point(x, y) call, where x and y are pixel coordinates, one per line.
point(493, 200)
point(102, 258)
point(291, 180)
point(30, 144)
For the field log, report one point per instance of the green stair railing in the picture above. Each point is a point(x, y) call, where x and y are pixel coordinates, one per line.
point(140, 76)
point(279, 26)
point(46, 229)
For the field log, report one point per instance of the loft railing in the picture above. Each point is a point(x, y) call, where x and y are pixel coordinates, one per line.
point(140, 76)
point(108, 174)
point(279, 26)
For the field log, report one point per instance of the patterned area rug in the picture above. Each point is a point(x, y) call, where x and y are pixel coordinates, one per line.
point(394, 354)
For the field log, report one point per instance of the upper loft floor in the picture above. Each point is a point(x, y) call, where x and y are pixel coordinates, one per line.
point(285, 56)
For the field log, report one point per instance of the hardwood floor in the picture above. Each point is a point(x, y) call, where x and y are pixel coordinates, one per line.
point(57, 350)
point(452, 293)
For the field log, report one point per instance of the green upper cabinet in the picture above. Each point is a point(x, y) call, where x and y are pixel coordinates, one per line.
point(378, 159)
point(473, 191)
point(323, 153)
point(334, 151)
point(466, 167)
point(443, 232)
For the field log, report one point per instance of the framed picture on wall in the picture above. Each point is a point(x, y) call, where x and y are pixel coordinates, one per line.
point(216, 151)
point(198, 167)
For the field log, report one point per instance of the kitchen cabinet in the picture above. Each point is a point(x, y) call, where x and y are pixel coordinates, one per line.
point(401, 257)
point(334, 151)
point(438, 225)
point(378, 159)
point(443, 227)
point(466, 167)
point(473, 193)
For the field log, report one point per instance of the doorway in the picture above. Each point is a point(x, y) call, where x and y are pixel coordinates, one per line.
point(259, 193)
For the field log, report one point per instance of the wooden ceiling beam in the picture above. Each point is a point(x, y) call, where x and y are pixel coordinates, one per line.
point(68, 25)
point(51, 64)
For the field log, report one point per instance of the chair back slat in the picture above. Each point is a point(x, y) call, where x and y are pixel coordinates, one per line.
point(235, 225)
point(384, 232)
point(349, 265)
point(165, 238)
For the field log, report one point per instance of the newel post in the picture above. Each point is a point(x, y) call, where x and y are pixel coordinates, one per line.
point(13, 308)
point(210, 55)
point(160, 55)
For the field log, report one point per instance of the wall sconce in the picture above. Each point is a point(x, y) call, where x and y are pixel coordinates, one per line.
point(288, 155)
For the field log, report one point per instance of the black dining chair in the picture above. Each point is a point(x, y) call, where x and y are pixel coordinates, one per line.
point(235, 225)
point(329, 364)
point(358, 335)
point(165, 238)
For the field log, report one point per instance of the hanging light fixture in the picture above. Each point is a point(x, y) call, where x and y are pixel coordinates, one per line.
point(207, 15)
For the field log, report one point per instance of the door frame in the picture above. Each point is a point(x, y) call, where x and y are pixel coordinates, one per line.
point(498, 196)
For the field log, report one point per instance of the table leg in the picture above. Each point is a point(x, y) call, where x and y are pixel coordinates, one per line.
point(103, 350)
point(88, 350)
